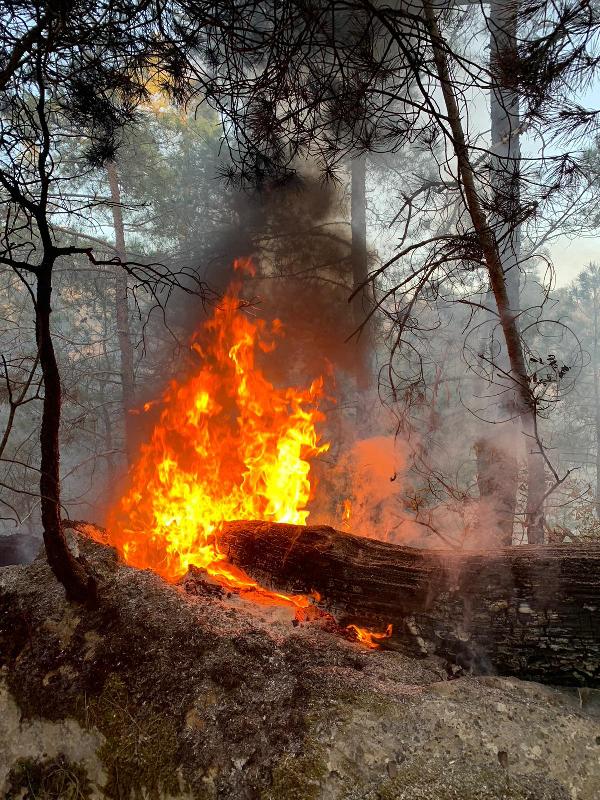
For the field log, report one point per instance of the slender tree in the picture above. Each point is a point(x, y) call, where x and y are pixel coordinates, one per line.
point(497, 465)
point(122, 308)
point(78, 67)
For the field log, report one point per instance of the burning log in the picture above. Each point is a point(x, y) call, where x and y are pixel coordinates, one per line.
point(531, 612)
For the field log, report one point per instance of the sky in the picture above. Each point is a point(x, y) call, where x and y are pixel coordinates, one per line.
point(570, 256)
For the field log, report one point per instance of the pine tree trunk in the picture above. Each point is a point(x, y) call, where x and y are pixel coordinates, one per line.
point(497, 467)
point(498, 482)
point(79, 586)
point(122, 311)
point(360, 269)
point(506, 144)
point(506, 179)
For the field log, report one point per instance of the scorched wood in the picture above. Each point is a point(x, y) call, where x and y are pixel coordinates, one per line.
point(531, 611)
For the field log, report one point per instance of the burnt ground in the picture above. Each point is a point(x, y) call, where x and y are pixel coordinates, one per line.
point(159, 692)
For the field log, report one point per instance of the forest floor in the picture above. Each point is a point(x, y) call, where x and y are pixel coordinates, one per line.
point(159, 693)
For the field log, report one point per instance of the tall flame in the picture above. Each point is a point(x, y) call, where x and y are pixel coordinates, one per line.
point(228, 445)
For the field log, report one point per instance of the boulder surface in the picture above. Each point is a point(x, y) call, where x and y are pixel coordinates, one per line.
point(159, 692)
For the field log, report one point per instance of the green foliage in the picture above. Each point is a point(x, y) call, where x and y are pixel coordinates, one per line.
point(169, 174)
point(174, 208)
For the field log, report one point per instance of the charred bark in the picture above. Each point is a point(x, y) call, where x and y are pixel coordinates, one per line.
point(532, 612)
point(79, 585)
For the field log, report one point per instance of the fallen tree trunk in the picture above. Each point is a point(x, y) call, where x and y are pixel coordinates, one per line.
point(532, 612)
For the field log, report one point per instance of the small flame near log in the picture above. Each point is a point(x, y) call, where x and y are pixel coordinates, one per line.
point(228, 445)
point(369, 638)
point(346, 513)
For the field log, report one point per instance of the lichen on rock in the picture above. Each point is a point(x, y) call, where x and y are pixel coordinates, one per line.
point(140, 751)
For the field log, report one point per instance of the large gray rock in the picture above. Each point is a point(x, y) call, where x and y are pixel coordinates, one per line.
point(157, 693)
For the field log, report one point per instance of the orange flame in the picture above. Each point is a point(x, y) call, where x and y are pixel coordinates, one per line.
point(245, 265)
point(346, 512)
point(229, 445)
point(370, 638)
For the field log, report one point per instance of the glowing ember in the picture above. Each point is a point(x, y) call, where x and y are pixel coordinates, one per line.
point(370, 638)
point(229, 445)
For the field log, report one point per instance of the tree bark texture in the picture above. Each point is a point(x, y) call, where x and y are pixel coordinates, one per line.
point(122, 310)
point(497, 467)
point(531, 612)
point(360, 269)
point(70, 572)
point(498, 482)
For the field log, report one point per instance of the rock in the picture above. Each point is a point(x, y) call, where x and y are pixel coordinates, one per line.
point(167, 694)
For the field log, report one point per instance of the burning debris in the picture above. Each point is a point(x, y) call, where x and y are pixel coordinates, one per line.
point(259, 629)
point(371, 638)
